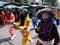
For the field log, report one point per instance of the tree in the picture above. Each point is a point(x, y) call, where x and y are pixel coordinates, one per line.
point(17, 1)
point(43, 1)
point(21, 1)
point(51, 2)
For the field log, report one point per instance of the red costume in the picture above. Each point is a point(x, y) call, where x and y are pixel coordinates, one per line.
point(3, 18)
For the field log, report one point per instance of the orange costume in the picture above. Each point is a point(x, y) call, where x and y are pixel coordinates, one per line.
point(11, 30)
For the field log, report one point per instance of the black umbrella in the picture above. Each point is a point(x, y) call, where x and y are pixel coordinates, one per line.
point(45, 10)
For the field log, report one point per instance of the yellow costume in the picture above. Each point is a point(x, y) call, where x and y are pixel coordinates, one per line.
point(25, 30)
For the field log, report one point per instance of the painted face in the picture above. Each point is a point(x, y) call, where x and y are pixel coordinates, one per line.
point(45, 16)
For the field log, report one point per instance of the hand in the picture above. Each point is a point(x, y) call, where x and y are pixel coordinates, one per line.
point(8, 21)
point(14, 23)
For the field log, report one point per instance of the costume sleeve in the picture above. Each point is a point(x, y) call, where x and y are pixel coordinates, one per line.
point(28, 24)
point(56, 35)
point(12, 18)
point(17, 24)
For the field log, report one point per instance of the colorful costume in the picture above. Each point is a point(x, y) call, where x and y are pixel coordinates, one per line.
point(24, 26)
point(58, 17)
point(47, 33)
point(11, 26)
point(3, 18)
point(46, 29)
point(34, 20)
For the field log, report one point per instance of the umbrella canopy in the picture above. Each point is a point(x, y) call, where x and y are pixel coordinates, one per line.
point(45, 10)
point(10, 6)
point(2, 3)
point(34, 5)
point(23, 7)
point(25, 10)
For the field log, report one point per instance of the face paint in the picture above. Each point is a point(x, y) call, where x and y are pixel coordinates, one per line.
point(45, 16)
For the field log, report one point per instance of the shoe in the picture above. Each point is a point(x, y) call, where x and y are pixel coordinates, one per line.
point(52, 41)
point(31, 42)
point(35, 27)
point(13, 36)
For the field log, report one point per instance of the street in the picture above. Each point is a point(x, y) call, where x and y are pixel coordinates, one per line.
point(22, 10)
point(5, 36)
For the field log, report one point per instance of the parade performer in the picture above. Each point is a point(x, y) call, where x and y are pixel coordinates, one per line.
point(11, 19)
point(58, 17)
point(24, 26)
point(34, 20)
point(46, 29)
point(4, 19)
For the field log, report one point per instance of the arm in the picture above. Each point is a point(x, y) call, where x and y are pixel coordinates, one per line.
point(12, 18)
point(37, 28)
point(56, 35)
point(26, 25)
point(16, 25)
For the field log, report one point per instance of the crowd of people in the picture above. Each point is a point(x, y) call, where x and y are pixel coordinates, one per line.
point(45, 28)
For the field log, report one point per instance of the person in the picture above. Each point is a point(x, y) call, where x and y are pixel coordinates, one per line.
point(0, 19)
point(34, 20)
point(24, 26)
point(58, 17)
point(47, 31)
point(4, 19)
point(10, 20)
point(53, 19)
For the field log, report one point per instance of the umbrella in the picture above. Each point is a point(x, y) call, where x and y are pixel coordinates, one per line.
point(11, 6)
point(23, 7)
point(25, 10)
point(2, 3)
point(45, 10)
point(34, 5)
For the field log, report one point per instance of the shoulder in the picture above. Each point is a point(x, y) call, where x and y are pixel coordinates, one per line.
point(12, 15)
point(27, 18)
point(54, 27)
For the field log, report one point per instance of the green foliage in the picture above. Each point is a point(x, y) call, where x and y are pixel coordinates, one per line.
point(51, 2)
point(58, 4)
point(17, 1)
point(20, 1)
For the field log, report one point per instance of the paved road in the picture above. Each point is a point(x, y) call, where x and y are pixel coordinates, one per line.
point(5, 37)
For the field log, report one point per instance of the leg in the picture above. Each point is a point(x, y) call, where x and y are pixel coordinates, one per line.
point(57, 22)
point(38, 43)
point(4, 22)
point(12, 33)
point(33, 23)
point(24, 40)
point(28, 36)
